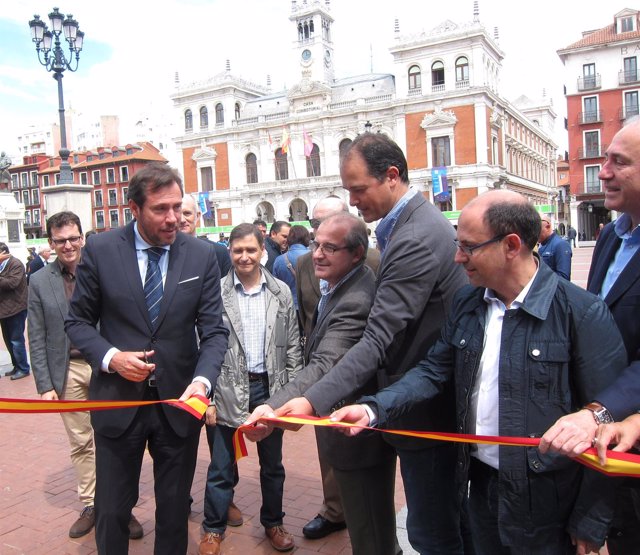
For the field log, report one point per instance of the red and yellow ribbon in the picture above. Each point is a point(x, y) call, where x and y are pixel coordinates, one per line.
point(618, 464)
point(195, 405)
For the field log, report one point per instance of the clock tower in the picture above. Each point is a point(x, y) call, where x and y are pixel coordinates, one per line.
point(313, 46)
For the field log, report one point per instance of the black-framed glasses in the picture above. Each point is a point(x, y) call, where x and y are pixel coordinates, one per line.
point(61, 242)
point(469, 250)
point(327, 248)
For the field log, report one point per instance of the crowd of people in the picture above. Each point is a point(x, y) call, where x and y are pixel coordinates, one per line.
point(474, 330)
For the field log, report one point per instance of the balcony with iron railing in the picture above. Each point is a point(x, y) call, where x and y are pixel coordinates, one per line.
point(593, 151)
point(629, 111)
point(590, 187)
point(626, 77)
point(593, 116)
point(589, 82)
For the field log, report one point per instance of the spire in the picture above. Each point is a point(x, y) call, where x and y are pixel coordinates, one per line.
point(228, 66)
point(476, 12)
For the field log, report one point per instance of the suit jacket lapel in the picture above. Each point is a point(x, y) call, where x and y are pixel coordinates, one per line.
point(626, 279)
point(609, 250)
point(57, 286)
point(177, 256)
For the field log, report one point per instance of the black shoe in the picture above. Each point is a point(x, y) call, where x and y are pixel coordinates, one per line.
point(320, 527)
point(14, 371)
point(19, 375)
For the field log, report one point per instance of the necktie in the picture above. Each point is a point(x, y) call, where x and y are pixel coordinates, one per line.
point(153, 283)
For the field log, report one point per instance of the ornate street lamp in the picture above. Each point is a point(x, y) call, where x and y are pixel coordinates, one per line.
point(52, 56)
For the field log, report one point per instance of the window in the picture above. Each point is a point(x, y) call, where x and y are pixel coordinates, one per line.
point(27, 217)
point(114, 219)
point(34, 179)
point(206, 177)
point(14, 181)
point(188, 121)
point(125, 192)
point(440, 152)
point(313, 162)
point(25, 197)
point(124, 174)
point(415, 78)
point(101, 156)
point(626, 24)
point(591, 144)
point(100, 219)
point(281, 165)
point(36, 217)
point(630, 104)
point(35, 196)
point(111, 175)
point(343, 146)
point(204, 118)
point(127, 216)
point(237, 110)
point(437, 74)
point(590, 114)
point(97, 196)
point(462, 69)
point(113, 197)
point(25, 179)
point(219, 114)
point(251, 164)
point(95, 176)
point(592, 184)
point(589, 75)
point(630, 69)
point(83, 178)
point(45, 180)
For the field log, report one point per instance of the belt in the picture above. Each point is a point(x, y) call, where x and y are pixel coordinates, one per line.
point(257, 377)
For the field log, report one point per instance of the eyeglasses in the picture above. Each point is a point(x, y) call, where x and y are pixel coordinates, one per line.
point(327, 248)
point(469, 250)
point(61, 242)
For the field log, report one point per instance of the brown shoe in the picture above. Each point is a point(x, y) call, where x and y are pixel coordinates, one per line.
point(84, 524)
point(234, 515)
point(280, 539)
point(210, 544)
point(135, 529)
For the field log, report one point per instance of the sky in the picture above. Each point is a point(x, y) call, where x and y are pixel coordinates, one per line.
point(132, 49)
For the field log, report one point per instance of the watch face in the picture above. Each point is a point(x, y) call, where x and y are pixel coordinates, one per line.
point(306, 55)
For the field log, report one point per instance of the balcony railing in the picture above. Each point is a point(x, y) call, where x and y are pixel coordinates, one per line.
point(462, 84)
point(437, 88)
point(628, 112)
point(625, 77)
point(415, 92)
point(594, 116)
point(589, 82)
point(590, 187)
point(595, 151)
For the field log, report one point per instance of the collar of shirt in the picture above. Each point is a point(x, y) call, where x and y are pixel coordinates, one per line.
point(326, 291)
point(4, 264)
point(238, 285)
point(623, 229)
point(630, 243)
point(491, 297)
point(63, 270)
point(385, 225)
point(143, 259)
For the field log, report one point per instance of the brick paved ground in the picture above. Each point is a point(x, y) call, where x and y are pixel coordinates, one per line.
point(38, 496)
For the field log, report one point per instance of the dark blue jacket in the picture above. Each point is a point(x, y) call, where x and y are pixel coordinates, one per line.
point(556, 252)
point(557, 351)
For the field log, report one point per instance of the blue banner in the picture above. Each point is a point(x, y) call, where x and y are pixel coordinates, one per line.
point(440, 184)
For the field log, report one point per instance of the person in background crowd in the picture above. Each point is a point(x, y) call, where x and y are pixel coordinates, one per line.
point(276, 243)
point(571, 236)
point(62, 373)
point(13, 311)
point(553, 250)
point(263, 355)
point(284, 267)
point(39, 261)
point(520, 347)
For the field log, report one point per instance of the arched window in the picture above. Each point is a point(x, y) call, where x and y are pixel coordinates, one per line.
point(343, 146)
point(282, 166)
point(313, 162)
point(437, 74)
point(237, 111)
point(252, 168)
point(204, 118)
point(188, 120)
point(219, 113)
point(462, 69)
point(415, 78)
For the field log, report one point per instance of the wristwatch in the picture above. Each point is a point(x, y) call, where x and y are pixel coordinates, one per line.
point(600, 413)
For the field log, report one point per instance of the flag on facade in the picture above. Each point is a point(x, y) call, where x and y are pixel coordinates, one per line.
point(440, 184)
point(203, 203)
point(308, 144)
point(286, 141)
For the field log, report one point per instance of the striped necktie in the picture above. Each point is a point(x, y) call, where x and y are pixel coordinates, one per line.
point(153, 283)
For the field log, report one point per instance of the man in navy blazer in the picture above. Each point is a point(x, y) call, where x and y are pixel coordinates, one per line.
point(133, 359)
point(615, 276)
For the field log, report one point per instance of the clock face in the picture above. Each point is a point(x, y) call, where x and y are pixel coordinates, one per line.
point(306, 55)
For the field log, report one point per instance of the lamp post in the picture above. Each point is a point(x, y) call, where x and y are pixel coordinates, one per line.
point(52, 56)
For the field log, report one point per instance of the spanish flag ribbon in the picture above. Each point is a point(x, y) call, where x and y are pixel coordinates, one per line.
point(195, 405)
point(618, 464)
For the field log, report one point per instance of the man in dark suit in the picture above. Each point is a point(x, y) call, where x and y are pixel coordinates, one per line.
point(39, 261)
point(276, 243)
point(363, 469)
point(415, 285)
point(615, 277)
point(142, 292)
